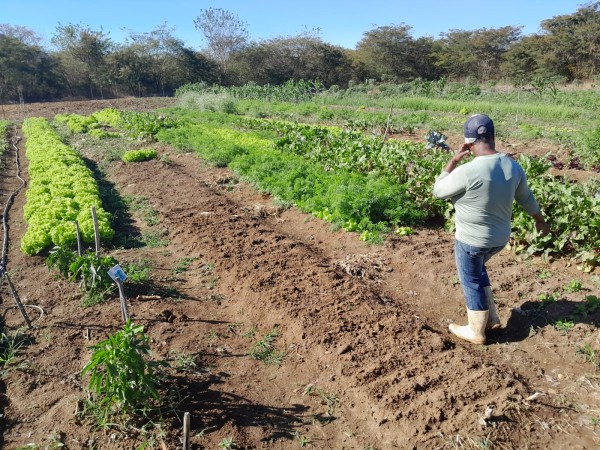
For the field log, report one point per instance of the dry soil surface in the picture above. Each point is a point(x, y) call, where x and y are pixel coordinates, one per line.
point(366, 357)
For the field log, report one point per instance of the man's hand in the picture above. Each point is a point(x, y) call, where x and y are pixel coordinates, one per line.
point(540, 224)
point(542, 228)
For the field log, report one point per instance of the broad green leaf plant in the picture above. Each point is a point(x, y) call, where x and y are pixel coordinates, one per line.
point(123, 380)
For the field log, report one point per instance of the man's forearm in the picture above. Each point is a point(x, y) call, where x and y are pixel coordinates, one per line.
point(451, 165)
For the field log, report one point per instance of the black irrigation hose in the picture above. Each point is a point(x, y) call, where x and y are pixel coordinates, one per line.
point(3, 271)
point(8, 205)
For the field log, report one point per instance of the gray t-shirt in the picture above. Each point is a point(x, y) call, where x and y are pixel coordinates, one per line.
point(482, 191)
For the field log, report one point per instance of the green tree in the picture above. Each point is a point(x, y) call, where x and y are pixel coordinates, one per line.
point(574, 42)
point(476, 53)
point(82, 52)
point(391, 53)
point(301, 57)
point(157, 62)
point(525, 60)
point(25, 35)
point(26, 70)
point(224, 33)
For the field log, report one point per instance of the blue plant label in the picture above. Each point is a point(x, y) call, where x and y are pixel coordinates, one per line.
point(117, 274)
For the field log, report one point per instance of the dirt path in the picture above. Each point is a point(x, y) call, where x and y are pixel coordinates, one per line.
point(368, 359)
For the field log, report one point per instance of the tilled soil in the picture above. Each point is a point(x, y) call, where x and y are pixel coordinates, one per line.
point(366, 357)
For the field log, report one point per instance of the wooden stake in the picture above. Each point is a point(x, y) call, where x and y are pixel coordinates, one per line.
point(124, 309)
point(79, 246)
point(186, 431)
point(96, 230)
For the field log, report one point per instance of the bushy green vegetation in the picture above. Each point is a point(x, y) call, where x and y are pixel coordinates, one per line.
point(77, 123)
point(144, 154)
point(123, 380)
point(89, 269)
point(357, 201)
point(573, 211)
point(61, 190)
point(135, 125)
point(367, 184)
point(290, 91)
point(208, 101)
point(4, 126)
point(142, 125)
point(410, 166)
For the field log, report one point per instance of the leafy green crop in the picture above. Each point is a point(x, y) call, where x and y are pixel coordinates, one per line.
point(62, 190)
point(145, 154)
point(573, 213)
point(411, 166)
point(76, 123)
point(364, 183)
point(3, 137)
point(90, 269)
point(108, 116)
point(123, 381)
point(3, 131)
point(291, 91)
point(142, 125)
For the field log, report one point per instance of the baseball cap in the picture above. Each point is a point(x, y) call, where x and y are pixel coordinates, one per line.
point(478, 126)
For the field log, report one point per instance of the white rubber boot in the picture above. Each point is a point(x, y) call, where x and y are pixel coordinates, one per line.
point(493, 319)
point(474, 332)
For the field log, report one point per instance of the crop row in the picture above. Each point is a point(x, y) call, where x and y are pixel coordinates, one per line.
point(571, 125)
point(135, 125)
point(4, 125)
point(291, 91)
point(356, 201)
point(389, 182)
point(366, 183)
point(573, 208)
point(61, 190)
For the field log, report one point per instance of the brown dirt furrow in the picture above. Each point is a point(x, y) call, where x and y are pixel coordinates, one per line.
point(368, 360)
point(406, 380)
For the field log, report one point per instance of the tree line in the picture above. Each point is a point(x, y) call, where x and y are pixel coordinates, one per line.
point(87, 63)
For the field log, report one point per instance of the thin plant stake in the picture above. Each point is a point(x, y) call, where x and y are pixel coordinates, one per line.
point(79, 246)
point(96, 230)
point(186, 431)
point(124, 309)
point(118, 276)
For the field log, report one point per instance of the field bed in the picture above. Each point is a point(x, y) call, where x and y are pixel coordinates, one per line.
point(368, 361)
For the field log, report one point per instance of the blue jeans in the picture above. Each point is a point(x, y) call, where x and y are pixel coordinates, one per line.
point(470, 262)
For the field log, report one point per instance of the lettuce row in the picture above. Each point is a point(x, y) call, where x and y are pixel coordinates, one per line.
point(61, 190)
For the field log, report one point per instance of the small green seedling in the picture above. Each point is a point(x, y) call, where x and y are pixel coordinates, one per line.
point(564, 325)
point(138, 271)
point(549, 298)
point(302, 440)
point(264, 350)
point(183, 264)
point(589, 306)
point(589, 354)
point(544, 274)
point(227, 443)
point(573, 286)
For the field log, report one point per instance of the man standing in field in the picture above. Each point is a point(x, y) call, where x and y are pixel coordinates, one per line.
point(482, 192)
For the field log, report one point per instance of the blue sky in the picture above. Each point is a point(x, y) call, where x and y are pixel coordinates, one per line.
point(341, 22)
